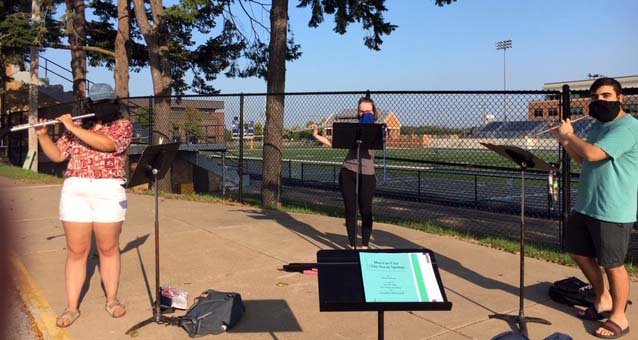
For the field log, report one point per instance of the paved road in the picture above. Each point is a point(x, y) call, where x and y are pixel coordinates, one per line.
point(18, 323)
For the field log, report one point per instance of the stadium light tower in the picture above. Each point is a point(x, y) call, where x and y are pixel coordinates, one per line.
point(504, 45)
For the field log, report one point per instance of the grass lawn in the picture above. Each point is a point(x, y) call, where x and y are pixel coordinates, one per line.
point(15, 172)
point(415, 158)
point(468, 157)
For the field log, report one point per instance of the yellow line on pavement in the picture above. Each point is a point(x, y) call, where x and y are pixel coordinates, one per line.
point(36, 303)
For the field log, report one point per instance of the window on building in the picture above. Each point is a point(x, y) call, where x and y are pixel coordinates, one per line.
point(538, 112)
point(577, 110)
point(552, 97)
point(631, 108)
point(553, 112)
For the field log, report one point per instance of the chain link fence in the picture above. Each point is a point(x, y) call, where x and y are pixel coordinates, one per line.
point(434, 167)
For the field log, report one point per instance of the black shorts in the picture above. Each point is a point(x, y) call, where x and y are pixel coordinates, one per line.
point(606, 241)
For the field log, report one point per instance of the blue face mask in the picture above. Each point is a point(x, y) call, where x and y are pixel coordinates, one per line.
point(367, 118)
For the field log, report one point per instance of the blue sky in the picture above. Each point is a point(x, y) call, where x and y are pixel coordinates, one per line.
point(450, 48)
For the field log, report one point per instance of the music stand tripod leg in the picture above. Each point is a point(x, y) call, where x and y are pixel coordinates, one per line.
point(521, 319)
point(380, 328)
point(356, 197)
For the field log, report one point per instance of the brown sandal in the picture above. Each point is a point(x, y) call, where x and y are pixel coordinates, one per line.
point(115, 309)
point(67, 317)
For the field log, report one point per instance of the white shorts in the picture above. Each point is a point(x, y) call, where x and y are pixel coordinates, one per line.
point(101, 200)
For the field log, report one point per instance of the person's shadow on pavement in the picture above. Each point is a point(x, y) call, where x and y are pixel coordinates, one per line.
point(93, 263)
point(537, 293)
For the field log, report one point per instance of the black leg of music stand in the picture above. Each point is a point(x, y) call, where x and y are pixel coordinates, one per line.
point(356, 198)
point(380, 325)
point(157, 313)
point(521, 319)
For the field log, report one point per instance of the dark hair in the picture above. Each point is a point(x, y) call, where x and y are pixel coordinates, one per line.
point(606, 82)
point(368, 100)
point(106, 111)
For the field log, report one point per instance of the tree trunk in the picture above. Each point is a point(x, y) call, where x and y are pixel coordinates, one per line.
point(271, 185)
point(156, 37)
point(122, 42)
point(33, 89)
point(77, 40)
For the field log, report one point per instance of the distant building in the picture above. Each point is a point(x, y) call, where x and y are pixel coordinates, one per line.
point(348, 115)
point(191, 118)
point(393, 139)
point(550, 108)
point(17, 92)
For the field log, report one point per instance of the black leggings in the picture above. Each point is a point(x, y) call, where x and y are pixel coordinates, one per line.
point(367, 185)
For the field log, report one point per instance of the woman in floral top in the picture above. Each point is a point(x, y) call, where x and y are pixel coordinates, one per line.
point(93, 199)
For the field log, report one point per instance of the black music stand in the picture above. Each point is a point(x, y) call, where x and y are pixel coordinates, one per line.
point(363, 137)
point(341, 285)
point(153, 166)
point(525, 161)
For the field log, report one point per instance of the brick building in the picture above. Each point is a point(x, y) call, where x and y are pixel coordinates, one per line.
point(550, 107)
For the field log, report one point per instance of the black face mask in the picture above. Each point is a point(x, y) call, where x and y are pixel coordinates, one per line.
point(604, 111)
point(106, 111)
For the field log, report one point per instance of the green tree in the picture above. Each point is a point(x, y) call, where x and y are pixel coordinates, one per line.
point(259, 129)
point(193, 124)
point(17, 35)
point(142, 115)
point(228, 135)
point(181, 22)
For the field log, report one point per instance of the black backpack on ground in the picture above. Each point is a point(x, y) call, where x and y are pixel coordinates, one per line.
point(213, 312)
point(572, 292)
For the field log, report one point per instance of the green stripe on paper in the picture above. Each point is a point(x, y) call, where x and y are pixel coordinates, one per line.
point(419, 278)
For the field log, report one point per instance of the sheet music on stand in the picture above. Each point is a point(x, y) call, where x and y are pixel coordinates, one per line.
point(408, 279)
point(399, 277)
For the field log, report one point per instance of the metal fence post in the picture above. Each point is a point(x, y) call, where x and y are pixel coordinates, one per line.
point(151, 123)
point(223, 173)
point(240, 166)
point(418, 193)
point(475, 190)
point(566, 199)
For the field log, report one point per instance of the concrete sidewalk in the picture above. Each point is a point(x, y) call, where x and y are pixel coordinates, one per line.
point(242, 249)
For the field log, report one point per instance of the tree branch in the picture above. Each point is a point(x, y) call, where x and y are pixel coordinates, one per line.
point(140, 16)
point(251, 19)
point(84, 48)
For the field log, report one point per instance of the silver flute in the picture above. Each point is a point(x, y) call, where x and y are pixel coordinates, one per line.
point(50, 122)
point(556, 127)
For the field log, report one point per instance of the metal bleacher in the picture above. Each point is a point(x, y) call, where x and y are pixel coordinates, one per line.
point(520, 129)
point(197, 154)
point(516, 129)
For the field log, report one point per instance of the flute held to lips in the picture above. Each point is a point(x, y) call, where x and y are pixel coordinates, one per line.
point(50, 122)
point(556, 127)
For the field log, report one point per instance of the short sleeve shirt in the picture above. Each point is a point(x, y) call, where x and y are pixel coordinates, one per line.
point(608, 189)
point(367, 161)
point(87, 162)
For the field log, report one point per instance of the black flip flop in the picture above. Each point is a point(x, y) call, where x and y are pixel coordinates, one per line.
point(591, 314)
point(614, 328)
